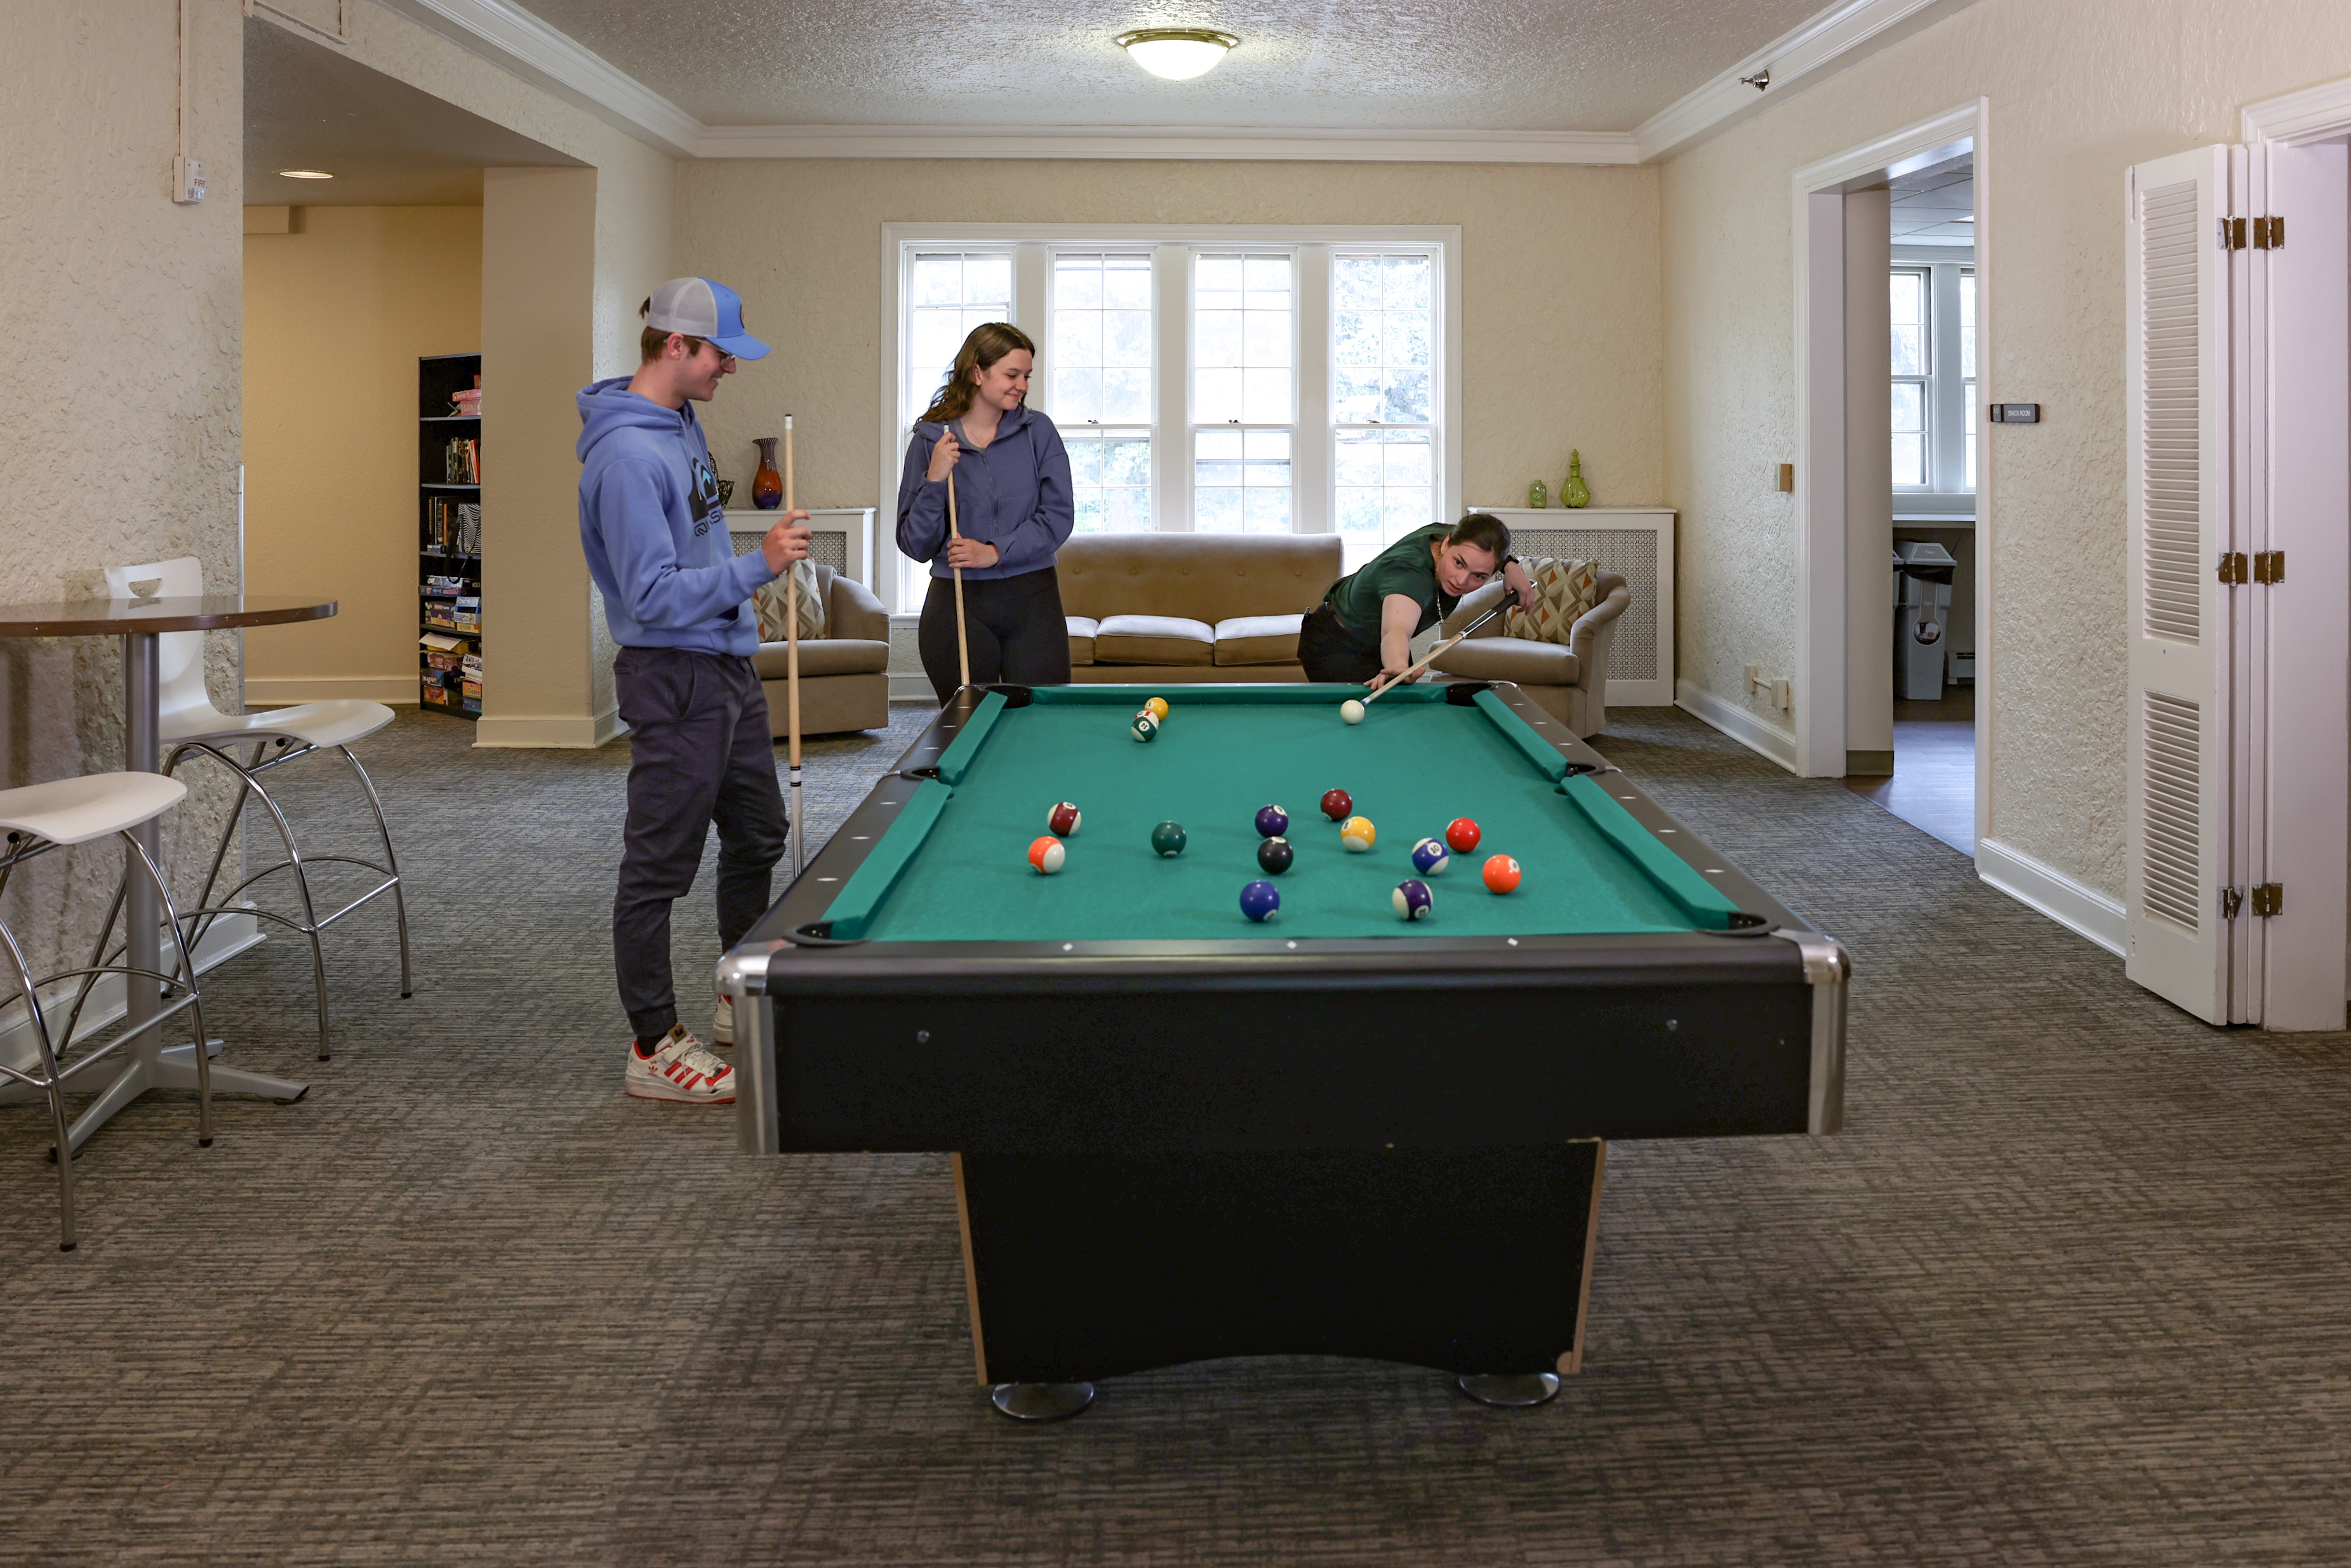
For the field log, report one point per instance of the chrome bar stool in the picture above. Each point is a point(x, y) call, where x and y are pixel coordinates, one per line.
point(192, 725)
point(43, 817)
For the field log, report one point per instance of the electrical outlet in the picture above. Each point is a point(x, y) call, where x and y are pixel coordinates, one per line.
point(1782, 696)
point(1754, 676)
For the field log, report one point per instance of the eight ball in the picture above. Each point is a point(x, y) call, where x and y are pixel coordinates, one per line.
point(1275, 855)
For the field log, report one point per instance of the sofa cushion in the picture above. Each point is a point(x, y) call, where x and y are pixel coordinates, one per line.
point(770, 604)
point(1082, 639)
point(822, 656)
point(1153, 640)
point(1511, 659)
point(1259, 640)
point(1565, 590)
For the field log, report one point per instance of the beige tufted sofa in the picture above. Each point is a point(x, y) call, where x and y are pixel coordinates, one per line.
point(1571, 683)
point(1172, 608)
point(844, 682)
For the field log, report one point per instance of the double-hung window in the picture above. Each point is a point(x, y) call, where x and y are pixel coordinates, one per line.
point(1208, 379)
point(1933, 365)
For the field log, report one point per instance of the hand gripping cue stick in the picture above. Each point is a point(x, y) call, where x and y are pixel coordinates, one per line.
point(792, 672)
point(1508, 600)
point(963, 642)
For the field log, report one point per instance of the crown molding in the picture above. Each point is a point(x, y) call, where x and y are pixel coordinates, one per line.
point(520, 44)
point(1843, 35)
point(1169, 142)
point(2310, 115)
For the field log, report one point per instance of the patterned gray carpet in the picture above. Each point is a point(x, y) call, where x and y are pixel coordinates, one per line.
point(2071, 1291)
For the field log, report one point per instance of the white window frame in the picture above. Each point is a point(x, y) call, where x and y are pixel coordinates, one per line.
point(1313, 503)
point(1950, 397)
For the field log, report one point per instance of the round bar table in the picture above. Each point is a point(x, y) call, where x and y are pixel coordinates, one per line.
point(138, 623)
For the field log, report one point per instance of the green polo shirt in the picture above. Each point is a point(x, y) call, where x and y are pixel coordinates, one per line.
point(1407, 567)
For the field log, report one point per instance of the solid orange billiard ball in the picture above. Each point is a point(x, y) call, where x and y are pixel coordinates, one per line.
point(1501, 874)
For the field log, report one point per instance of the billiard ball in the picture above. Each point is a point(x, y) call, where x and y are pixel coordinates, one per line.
point(1275, 855)
point(1045, 855)
point(1168, 839)
point(1157, 708)
point(1411, 899)
point(1358, 834)
point(1260, 900)
point(1145, 726)
point(1063, 820)
point(1462, 834)
point(1352, 711)
point(1337, 804)
point(1501, 874)
point(1429, 859)
point(1272, 822)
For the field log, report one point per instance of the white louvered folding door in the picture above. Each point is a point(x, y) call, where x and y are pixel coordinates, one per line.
point(2179, 732)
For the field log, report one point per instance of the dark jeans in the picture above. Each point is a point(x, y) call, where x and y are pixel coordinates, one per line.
point(700, 753)
point(1330, 654)
point(1015, 625)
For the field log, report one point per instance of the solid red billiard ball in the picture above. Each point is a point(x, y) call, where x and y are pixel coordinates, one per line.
point(1461, 835)
point(1047, 855)
point(1337, 804)
point(1501, 874)
point(1063, 820)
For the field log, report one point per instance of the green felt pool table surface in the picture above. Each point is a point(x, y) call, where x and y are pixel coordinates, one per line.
point(954, 867)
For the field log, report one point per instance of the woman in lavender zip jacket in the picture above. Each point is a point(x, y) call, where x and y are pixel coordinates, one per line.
point(1013, 510)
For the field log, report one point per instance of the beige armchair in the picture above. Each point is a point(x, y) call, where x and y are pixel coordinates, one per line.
point(844, 675)
point(1570, 683)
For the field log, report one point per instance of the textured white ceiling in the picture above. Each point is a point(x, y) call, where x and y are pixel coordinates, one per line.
point(1467, 65)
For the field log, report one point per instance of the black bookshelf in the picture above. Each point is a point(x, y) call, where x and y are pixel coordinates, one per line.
point(448, 531)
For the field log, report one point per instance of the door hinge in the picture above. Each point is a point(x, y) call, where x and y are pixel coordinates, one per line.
point(2232, 566)
point(2231, 900)
point(2233, 234)
point(2269, 899)
point(2269, 566)
point(2269, 234)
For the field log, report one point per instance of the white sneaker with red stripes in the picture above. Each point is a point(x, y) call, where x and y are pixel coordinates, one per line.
point(681, 1069)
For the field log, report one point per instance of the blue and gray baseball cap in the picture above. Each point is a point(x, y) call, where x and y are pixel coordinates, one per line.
point(701, 309)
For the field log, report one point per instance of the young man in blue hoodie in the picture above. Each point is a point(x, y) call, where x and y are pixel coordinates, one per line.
point(675, 594)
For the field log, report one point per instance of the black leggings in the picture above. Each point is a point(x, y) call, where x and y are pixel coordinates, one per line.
point(1328, 654)
point(1014, 626)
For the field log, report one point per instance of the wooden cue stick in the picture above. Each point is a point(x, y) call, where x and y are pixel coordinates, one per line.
point(1403, 679)
point(793, 674)
point(963, 642)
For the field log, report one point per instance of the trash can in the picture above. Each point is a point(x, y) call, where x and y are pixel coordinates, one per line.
point(1922, 613)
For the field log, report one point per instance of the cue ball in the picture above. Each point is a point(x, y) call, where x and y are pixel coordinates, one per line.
point(1462, 834)
point(1429, 859)
point(1145, 726)
point(1275, 855)
point(1157, 708)
point(1045, 855)
point(1272, 822)
point(1358, 834)
point(1168, 839)
point(1501, 874)
point(1260, 900)
point(1411, 899)
point(1063, 819)
point(1352, 711)
point(1337, 804)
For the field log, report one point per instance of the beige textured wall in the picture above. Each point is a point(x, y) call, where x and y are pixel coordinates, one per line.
point(2078, 92)
point(119, 445)
point(1559, 278)
point(335, 319)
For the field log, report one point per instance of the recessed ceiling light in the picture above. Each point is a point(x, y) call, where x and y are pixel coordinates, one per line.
point(304, 175)
point(1177, 54)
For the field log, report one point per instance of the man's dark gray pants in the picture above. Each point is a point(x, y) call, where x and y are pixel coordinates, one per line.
point(701, 754)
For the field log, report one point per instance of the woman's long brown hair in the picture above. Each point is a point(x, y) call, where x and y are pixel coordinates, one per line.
point(989, 341)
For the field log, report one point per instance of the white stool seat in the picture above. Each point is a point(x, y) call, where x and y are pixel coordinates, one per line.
point(324, 724)
point(76, 810)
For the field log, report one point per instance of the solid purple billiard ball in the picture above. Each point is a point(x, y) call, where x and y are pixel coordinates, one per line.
point(1275, 855)
point(1272, 822)
point(1430, 858)
point(1260, 900)
point(1411, 899)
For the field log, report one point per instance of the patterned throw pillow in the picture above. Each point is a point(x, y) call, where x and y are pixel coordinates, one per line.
point(1565, 590)
point(771, 604)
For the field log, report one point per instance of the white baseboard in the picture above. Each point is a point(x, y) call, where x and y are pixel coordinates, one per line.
point(2079, 908)
point(284, 691)
point(228, 937)
point(1765, 740)
point(551, 733)
point(912, 688)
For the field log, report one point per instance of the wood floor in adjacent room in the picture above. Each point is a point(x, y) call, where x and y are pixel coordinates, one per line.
point(2069, 1291)
point(1934, 783)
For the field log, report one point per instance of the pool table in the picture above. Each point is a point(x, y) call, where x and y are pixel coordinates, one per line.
point(1180, 1135)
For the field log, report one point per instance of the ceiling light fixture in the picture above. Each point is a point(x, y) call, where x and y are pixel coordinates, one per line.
point(1177, 54)
point(304, 175)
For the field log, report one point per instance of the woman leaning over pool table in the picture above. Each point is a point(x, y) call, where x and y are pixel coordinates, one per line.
point(1013, 511)
point(1361, 633)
